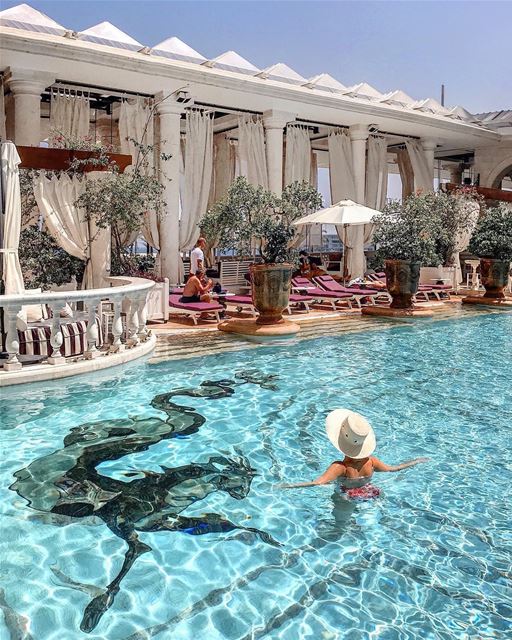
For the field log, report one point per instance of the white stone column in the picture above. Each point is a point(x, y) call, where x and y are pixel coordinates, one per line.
point(27, 87)
point(429, 146)
point(358, 137)
point(170, 115)
point(274, 123)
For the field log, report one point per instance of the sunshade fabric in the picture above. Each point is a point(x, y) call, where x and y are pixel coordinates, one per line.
point(251, 151)
point(3, 134)
point(136, 126)
point(376, 173)
point(69, 117)
point(423, 178)
point(11, 219)
point(198, 175)
point(297, 166)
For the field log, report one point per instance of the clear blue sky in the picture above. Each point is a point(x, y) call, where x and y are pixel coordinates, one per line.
point(414, 46)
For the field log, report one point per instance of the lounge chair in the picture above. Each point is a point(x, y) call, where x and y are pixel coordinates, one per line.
point(359, 293)
point(194, 309)
point(424, 290)
point(321, 295)
point(245, 303)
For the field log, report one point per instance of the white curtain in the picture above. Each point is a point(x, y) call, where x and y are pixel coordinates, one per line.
point(66, 223)
point(69, 117)
point(136, 125)
point(420, 164)
point(11, 219)
point(406, 173)
point(471, 210)
point(376, 173)
point(198, 175)
point(3, 134)
point(251, 151)
point(341, 171)
point(223, 167)
point(298, 155)
point(297, 166)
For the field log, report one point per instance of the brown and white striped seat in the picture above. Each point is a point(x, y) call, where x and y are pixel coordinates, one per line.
point(35, 341)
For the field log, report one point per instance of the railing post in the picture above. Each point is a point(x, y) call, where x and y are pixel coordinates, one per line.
point(12, 345)
point(117, 328)
point(133, 326)
point(56, 338)
point(92, 329)
point(142, 317)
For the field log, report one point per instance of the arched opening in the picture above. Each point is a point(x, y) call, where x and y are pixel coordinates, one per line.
point(504, 179)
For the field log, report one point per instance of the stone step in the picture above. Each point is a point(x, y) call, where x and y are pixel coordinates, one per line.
point(180, 345)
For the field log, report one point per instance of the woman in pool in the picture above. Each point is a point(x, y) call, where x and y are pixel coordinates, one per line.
point(352, 434)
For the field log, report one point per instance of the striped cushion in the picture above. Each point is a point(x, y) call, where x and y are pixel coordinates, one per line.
point(35, 341)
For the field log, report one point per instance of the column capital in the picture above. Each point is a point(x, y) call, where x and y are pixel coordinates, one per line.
point(277, 119)
point(428, 144)
point(168, 105)
point(28, 82)
point(359, 132)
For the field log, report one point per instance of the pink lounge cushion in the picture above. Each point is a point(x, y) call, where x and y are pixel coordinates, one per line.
point(239, 300)
point(294, 297)
point(441, 287)
point(330, 284)
point(174, 301)
point(316, 292)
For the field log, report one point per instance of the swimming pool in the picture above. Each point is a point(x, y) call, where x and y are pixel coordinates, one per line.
point(188, 499)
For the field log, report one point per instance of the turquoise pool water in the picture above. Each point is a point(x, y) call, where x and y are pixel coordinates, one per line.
point(188, 499)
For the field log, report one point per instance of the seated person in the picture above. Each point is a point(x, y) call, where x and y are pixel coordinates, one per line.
point(304, 264)
point(197, 288)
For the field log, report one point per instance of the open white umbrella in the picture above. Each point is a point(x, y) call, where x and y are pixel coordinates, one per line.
point(10, 221)
point(343, 212)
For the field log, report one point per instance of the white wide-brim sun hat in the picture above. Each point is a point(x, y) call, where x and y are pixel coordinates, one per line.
point(350, 433)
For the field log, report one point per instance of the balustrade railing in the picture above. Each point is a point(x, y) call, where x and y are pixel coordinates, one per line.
point(99, 304)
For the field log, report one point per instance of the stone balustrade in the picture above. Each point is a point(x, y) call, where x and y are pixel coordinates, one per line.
point(126, 297)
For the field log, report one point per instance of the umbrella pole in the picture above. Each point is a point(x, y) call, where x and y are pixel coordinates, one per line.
point(3, 354)
point(344, 254)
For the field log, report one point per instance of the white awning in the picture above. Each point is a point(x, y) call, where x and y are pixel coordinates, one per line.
point(365, 90)
point(399, 98)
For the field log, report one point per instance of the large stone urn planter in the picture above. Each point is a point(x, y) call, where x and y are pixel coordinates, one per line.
point(270, 291)
point(494, 277)
point(402, 279)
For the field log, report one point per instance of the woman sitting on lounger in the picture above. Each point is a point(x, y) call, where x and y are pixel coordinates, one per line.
point(197, 288)
point(351, 434)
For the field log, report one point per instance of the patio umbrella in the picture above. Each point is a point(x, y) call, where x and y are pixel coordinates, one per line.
point(10, 220)
point(344, 213)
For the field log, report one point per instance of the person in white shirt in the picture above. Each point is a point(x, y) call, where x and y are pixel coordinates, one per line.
point(197, 257)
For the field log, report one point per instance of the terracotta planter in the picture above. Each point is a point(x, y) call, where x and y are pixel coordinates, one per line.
point(270, 291)
point(402, 278)
point(494, 276)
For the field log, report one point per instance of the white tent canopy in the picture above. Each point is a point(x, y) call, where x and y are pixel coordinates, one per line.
point(108, 34)
point(29, 19)
point(326, 82)
point(343, 212)
point(232, 61)
point(283, 73)
point(176, 49)
point(365, 90)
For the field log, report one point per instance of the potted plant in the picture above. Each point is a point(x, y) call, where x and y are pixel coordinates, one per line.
point(492, 243)
point(251, 220)
point(406, 237)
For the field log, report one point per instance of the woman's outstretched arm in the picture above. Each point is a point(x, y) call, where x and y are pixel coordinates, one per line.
point(336, 470)
point(378, 465)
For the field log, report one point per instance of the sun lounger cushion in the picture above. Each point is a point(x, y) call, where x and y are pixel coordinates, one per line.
point(330, 284)
point(316, 292)
point(200, 307)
